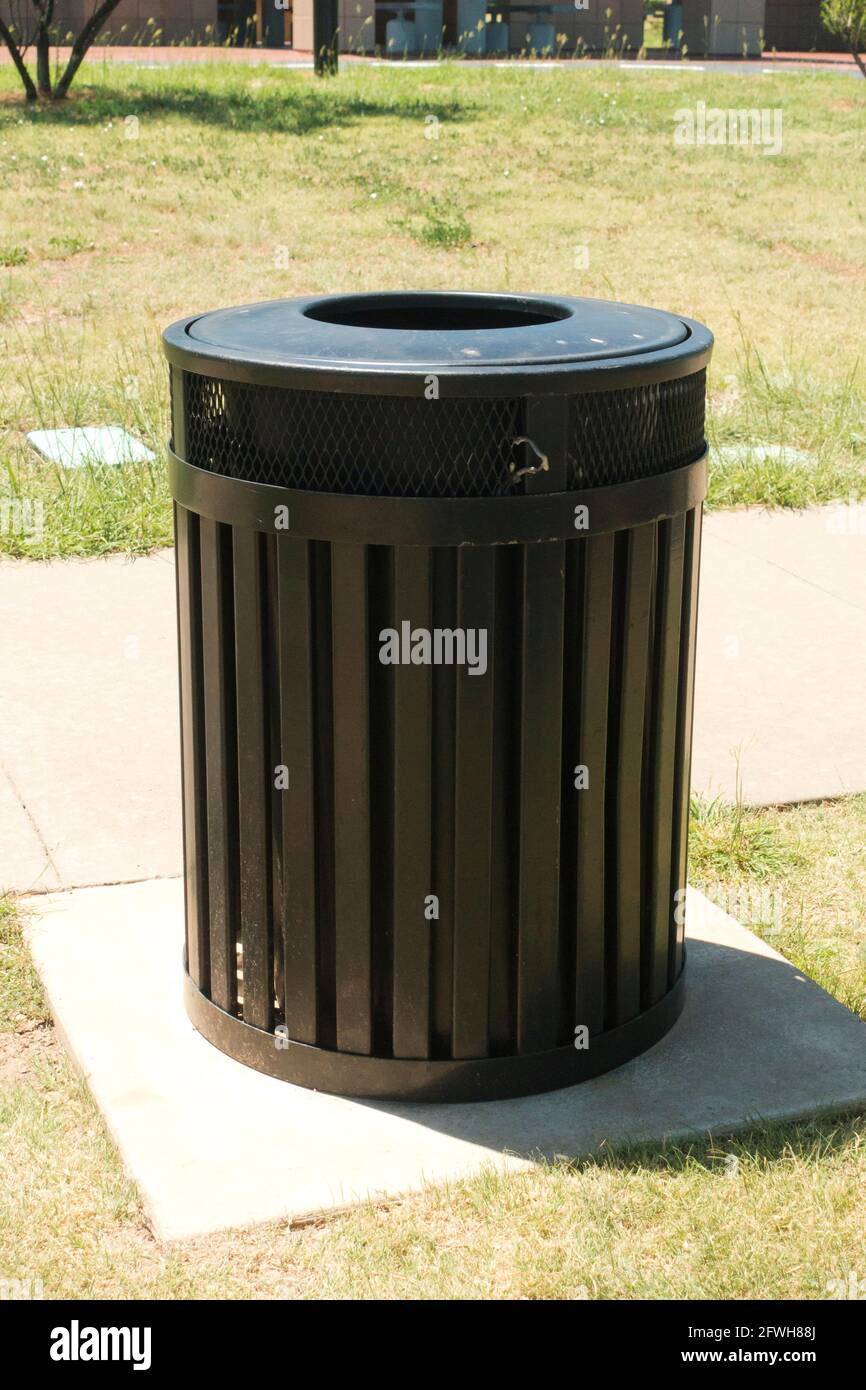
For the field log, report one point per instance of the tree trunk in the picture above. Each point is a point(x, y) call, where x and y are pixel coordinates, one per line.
point(43, 60)
point(26, 79)
point(81, 45)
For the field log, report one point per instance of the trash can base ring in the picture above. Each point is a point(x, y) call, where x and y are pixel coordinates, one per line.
point(446, 1079)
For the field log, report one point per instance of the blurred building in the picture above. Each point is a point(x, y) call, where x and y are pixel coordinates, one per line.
point(596, 26)
point(720, 27)
point(745, 27)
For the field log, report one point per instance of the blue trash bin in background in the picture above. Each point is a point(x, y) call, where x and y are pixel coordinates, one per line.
point(496, 37)
point(470, 25)
point(672, 27)
point(428, 26)
point(541, 37)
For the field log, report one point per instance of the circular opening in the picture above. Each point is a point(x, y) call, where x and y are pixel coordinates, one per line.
point(419, 313)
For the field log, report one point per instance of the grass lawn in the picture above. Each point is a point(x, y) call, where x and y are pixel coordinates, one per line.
point(152, 194)
point(776, 1213)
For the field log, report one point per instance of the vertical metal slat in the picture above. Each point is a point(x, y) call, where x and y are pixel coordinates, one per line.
point(353, 951)
point(505, 830)
point(685, 713)
point(540, 753)
point(669, 599)
point(221, 758)
point(323, 742)
point(592, 754)
point(413, 713)
point(255, 778)
point(473, 808)
point(192, 744)
point(633, 691)
point(295, 658)
point(444, 719)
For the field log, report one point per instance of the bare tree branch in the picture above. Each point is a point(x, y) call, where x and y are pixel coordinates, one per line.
point(26, 79)
point(81, 45)
point(42, 13)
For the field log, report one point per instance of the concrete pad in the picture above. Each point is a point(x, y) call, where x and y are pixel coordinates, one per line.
point(213, 1144)
point(781, 661)
point(107, 446)
point(88, 709)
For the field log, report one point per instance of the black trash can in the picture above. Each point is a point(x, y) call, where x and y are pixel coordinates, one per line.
point(437, 585)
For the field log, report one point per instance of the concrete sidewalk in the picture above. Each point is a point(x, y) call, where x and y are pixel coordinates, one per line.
point(781, 674)
point(183, 55)
point(89, 777)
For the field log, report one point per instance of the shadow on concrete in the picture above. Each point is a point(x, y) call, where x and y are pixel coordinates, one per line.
point(758, 1046)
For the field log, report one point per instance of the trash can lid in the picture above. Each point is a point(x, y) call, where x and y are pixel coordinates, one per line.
point(402, 334)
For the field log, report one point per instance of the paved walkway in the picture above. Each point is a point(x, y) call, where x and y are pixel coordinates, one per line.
point(89, 783)
point(781, 678)
point(144, 55)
